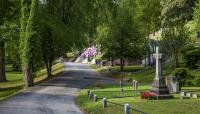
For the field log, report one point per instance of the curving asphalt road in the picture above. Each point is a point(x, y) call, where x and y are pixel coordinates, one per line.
point(57, 96)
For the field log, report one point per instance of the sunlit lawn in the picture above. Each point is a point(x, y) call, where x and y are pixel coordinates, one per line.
point(145, 78)
point(112, 93)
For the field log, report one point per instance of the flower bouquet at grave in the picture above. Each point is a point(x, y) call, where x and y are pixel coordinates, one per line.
point(148, 95)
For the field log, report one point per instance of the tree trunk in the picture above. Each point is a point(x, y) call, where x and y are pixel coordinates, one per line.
point(122, 73)
point(111, 61)
point(2, 62)
point(121, 60)
point(49, 68)
point(176, 58)
point(28, 77)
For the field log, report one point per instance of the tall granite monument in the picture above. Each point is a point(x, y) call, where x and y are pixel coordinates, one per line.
point(159, 86)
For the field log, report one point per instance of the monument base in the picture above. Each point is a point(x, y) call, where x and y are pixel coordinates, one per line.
point(160, 97)
point(160, 89)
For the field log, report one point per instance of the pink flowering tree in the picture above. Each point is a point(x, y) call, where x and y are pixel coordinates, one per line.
point(89, 52)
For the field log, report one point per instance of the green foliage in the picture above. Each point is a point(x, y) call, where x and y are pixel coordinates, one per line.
point(120, 35)
point(177, 11)
point(12, 47)
point(196, 16)
point(191, 56)
point(197, 81)
point(182, 74)
point(175, 33)
point(29, 40)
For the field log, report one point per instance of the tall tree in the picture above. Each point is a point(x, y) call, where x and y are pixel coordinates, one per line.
point(29, 40)
point(175, 14)
point(6, 11)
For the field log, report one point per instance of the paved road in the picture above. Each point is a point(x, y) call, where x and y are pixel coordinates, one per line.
point(56, 96)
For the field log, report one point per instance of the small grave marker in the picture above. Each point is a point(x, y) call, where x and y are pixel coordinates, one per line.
point(196, 96)
point(95, 98)
point(135, 85)
point(183, 93)
point(189, 94)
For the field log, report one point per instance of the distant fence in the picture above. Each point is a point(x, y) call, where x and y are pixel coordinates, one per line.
point(105, 102)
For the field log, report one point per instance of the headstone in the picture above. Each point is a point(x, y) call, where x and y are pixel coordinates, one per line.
point(85, 61)
point(93, 62)
point(95, 98)
point(79, 60)
point(172, 84)
point(183, 93)
point(159, 86)
point(135, 85)
point(196, 96)
point(189, 94)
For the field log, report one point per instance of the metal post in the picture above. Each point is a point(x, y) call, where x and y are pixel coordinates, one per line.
point(104, 103)
point(136, 85)
point(133, 84)
point(127, 109)
point(88, 92)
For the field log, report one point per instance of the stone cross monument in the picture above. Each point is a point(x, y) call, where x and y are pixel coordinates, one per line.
point(159, 86)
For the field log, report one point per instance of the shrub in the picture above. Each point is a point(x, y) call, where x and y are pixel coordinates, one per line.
point(182, 74)
point(189, 83)
point(191, 56)
point(197, 81)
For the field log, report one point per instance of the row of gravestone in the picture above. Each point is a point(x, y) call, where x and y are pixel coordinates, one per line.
point(171, 82)
point(184, 94)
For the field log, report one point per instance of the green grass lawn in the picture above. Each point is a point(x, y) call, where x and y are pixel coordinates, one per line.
point(134, 72)
point(171, 106)
point(15, 80)
point(145, 78)
point(139, 73)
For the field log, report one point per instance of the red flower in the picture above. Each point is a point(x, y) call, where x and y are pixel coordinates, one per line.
point(147, 95)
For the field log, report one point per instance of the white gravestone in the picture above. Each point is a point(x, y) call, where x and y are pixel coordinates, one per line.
point(135, 85)
point(79, 60)
point(93, 62)
point(195, 96)
point(85, 61)
point(172, 84)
